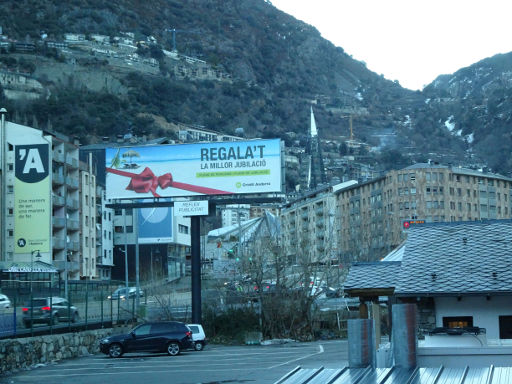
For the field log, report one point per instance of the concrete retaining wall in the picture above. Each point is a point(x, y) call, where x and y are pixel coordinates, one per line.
point(22, 353)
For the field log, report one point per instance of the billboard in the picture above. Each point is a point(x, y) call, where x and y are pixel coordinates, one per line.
point(155, 225)
point(218, 168)
point(32, 207)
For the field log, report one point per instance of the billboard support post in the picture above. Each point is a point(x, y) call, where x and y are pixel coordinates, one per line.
point(195, 229)
point(137, 280)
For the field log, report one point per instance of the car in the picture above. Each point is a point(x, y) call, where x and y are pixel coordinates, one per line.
point(49, 310)
point(125, 293)
point(198, 336)
point(163, 336)
point(4, 301)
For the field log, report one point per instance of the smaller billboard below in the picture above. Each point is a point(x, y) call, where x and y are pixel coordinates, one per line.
point(155, 225)
point(216, 168)
point(191, 208)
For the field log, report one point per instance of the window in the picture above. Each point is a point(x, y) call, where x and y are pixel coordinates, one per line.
point(118, 212)
point(412, 176)
point(441, 177)
point(469, 207)
point(428, 176)
point(129, 229)
point(452, 191)
point(10, 232)
point(182, 229)
point(505, 327)
point(452, 205)
point(458, 322)
point(10, 211)
point(10, 166)
point(118, 229)
point(142, 330)
point(10, 189)
point(413, 191)
point(459, 192)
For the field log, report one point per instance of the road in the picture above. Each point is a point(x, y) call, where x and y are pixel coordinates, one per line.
point(216, 364)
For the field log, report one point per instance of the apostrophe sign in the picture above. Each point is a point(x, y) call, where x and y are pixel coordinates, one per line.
point(32, 198)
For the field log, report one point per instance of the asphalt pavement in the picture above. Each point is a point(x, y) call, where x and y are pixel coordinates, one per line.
point(216, 364)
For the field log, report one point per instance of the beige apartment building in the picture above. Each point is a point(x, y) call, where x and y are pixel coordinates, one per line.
point(372, 215)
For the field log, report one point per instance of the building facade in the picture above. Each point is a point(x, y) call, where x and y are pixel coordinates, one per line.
point(373, 214)
point(310, 226)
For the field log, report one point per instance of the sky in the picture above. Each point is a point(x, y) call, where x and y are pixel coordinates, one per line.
point(412, 41)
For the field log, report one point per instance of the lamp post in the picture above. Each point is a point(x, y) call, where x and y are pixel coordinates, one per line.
point(38, 256)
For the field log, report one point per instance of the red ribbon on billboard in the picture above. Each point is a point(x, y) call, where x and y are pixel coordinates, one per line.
point(146, 181)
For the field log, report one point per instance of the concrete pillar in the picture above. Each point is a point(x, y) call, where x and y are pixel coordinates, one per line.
point(404, 338)
point(361, 348)
point(376, 323)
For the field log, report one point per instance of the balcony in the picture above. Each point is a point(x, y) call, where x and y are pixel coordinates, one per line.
point(320, 234)
point(320, 224)
point(58, 157)
point(59, 222)
point(304, 215)
point(58, 243)
point(73, 225)
point(73, 246)
point(72, 203)
point(57, 178)
point(319, 211)
point(58, 201)
point(72, 182)
point(71, 161)
point(71, 266)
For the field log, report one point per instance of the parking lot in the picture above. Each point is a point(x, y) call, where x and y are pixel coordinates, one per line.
point(216, 364)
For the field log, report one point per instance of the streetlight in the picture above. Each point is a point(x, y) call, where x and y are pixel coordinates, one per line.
point(38, 256)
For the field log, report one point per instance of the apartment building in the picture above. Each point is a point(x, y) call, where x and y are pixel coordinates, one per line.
point(88, 216)
point(104, 235)
point(40, 200)
point(66, 207)
point(310, 225)
point(161, 240)
point(234, 214)
point(372, 215)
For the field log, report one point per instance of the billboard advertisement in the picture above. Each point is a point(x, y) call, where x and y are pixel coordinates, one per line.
point(155, 225)
point(215, 168)
point(32, 207)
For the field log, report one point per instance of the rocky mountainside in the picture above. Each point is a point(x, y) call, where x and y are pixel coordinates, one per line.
point(238, 63)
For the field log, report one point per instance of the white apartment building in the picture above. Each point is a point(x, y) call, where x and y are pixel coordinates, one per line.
point(88, 220)
point(234, 214)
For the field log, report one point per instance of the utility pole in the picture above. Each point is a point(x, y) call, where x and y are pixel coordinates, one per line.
point(3, 178)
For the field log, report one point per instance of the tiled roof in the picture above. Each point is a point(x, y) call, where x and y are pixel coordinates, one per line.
point(457, 258)
point(377, 275)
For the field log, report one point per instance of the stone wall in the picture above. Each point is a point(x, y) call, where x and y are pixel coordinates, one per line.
point(22, 353)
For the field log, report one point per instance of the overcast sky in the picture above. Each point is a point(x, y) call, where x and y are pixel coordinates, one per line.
point(412, 41)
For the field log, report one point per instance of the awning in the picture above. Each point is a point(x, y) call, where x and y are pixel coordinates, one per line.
point(23, 266)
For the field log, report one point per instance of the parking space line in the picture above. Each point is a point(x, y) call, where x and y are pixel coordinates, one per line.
point(320, 350)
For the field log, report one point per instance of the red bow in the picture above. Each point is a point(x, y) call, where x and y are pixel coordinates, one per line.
point(146, 181)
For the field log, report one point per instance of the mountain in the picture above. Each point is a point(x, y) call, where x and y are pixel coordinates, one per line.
point(238, 63)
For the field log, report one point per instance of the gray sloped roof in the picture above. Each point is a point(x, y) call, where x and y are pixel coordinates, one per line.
point(376, 275)
point(397, 375)
point(457, 258)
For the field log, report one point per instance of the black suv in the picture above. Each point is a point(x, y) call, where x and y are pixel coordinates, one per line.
point(166, 336)
point(49, 310)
